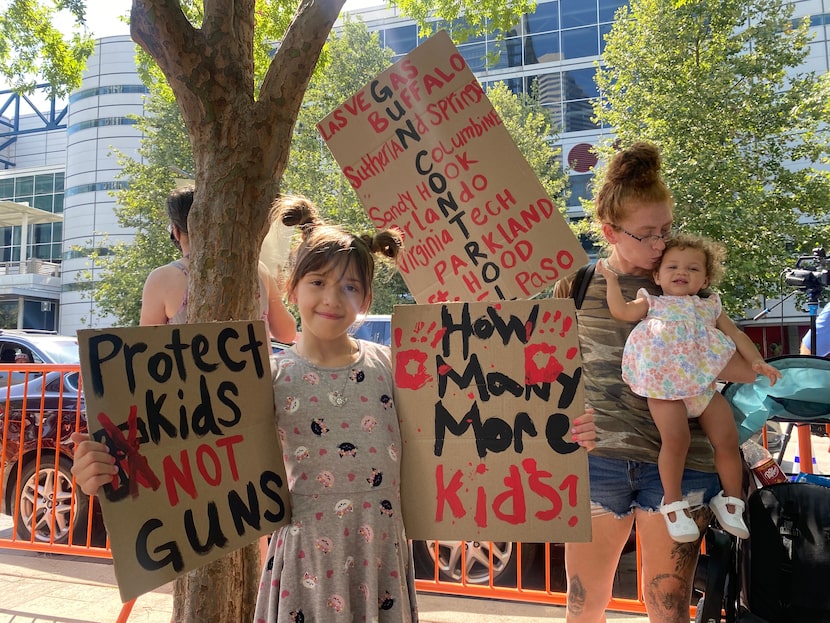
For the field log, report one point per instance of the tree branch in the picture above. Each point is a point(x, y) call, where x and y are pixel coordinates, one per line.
point(164, 32)
point(290, 71)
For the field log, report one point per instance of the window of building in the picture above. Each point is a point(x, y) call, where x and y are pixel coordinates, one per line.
point(24, 189)
point(516, 85)
point(508, 53)
point(608, 8)
point(474, 55)
point(402, 39)
point(113, 89)
point(580, 188)
point(8, 314)
point(578, 13)
point(580, 42)
point(578, 116)
point(44, 184)
point(7, 188)
point(45, 192)
point(542, 48)
point(555, 112)
point(579, 84)
point(545, 19)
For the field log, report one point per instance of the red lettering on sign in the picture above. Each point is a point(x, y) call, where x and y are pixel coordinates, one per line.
point(448, 495)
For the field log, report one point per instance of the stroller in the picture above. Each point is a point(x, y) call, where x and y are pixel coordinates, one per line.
point(781, 574)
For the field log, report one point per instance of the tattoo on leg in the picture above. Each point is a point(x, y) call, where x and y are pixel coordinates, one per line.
point(685, 556)
point(576, 596)
point(667, 597)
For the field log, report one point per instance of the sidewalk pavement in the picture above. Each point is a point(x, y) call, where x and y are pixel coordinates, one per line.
point(50, 588)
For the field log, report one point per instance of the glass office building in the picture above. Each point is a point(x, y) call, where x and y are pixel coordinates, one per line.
point(555, 51)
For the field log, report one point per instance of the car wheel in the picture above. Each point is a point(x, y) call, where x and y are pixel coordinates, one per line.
point(476, 560)
point(40, 493)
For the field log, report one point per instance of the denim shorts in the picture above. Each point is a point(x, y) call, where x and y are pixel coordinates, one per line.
point(619, 486)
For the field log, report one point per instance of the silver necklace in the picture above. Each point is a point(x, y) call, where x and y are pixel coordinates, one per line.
point(336, 398)
point(339, 398)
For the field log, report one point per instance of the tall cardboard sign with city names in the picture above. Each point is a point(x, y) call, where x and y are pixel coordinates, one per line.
point(426, 152)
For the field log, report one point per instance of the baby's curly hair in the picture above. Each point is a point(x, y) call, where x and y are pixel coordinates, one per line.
point(714, 252)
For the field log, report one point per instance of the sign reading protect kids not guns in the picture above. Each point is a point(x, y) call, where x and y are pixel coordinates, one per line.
point(426, 152)
point(486, 393)
point(188, 412)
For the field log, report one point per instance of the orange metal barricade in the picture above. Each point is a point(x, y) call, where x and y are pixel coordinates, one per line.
point(38, 415)
point(542, 582)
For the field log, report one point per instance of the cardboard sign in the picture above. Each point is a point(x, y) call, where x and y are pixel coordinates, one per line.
point(486, 394)
point(188, 411)
point(426, 152)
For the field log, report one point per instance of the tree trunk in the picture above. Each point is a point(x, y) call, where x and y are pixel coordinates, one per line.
point(241, 146)
point(224, 590)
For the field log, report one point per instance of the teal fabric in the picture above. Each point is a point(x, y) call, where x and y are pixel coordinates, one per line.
point(802, 395)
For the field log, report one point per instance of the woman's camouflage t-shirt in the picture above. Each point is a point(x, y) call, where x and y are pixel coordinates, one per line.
point(625, 429)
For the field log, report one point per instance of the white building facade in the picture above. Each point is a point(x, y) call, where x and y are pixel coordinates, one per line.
point(66, 163)
point(70, 166)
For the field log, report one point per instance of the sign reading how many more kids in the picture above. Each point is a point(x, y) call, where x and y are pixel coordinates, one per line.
point(486, 393)
point(188, 412)
point(426, 152)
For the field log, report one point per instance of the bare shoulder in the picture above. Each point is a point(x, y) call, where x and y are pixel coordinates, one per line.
point(164, 275)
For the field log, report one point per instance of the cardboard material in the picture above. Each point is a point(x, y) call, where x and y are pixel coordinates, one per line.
point(486, 393)
point(426, 152)
point(188, 410)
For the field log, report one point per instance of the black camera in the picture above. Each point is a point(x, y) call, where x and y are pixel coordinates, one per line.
point(810, 273)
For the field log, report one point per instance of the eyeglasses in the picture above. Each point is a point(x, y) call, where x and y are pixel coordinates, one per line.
point(648, 240)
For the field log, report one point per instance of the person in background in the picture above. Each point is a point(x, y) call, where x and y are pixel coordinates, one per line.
point(164, 298)
point(634, 210)
point(673, 357)
point(822, 336)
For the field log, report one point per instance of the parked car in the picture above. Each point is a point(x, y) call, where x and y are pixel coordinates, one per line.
point(374, 328)
point(34, 347)
point(476, 560)
point(476, 567)
point(45, 410)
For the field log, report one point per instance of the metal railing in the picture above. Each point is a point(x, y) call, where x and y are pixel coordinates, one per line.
point(37, 489)
point(33, 266)
point(38, 492)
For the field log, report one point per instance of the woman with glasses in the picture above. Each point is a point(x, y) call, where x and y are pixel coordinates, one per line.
point(634, 211)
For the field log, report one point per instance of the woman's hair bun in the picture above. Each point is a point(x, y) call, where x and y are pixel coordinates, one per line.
point(638, 165)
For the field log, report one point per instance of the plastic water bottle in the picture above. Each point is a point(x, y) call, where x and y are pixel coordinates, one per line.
point(763, 465)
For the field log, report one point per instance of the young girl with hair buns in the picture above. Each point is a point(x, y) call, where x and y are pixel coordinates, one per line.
point(344, 555)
